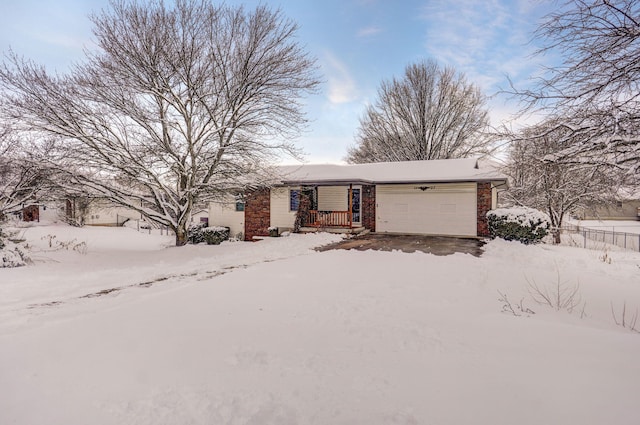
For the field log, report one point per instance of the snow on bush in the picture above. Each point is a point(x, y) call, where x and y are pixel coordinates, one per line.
point(12, 254)
point(211, 235)
point(523, 224)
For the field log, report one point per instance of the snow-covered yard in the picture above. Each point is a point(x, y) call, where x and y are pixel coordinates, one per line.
point(127, 330)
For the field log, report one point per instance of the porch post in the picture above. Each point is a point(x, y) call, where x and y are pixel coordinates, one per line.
point(350, 205)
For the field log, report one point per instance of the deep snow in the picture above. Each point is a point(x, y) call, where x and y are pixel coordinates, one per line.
point(273, 332)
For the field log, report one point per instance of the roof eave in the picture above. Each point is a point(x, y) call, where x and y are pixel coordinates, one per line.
point(405, 181)
point(324, 182)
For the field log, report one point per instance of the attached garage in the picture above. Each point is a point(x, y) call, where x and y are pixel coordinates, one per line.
point(434, 209)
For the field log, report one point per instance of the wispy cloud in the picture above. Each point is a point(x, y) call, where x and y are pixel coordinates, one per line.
point(341, 85)
point(485, 39)
point(369, 31)
point(62, 40)
point(488, 40)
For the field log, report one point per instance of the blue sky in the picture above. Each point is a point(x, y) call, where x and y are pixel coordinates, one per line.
point(357, 43)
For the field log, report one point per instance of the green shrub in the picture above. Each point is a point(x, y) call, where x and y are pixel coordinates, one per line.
point(522, 224)
point(215, 235)
point(209, 235)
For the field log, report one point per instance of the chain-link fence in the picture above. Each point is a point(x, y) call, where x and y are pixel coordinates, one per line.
point(589, 237)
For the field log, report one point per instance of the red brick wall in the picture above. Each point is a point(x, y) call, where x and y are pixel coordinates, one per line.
point(369, 207)
point(257, 213)
point(483, 205)
point(31, 213)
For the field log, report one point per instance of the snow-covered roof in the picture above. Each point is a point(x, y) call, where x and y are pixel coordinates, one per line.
point(443, 170)
point(628, 193)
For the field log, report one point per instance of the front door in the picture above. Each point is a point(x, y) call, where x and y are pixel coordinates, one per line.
point(355, 205)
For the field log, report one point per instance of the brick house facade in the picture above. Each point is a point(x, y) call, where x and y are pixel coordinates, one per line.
point(484, 194)
point(369, 207)
point(257, 213)
point(31, 213)
point(437, 197)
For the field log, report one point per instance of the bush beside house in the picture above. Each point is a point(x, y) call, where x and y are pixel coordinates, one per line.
point(210, 235)
point(526, 225)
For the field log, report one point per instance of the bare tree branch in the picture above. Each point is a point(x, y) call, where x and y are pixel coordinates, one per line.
point(596, 88)
point(22, 179)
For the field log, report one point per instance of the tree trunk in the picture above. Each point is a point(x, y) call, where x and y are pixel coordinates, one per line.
point(181, 235)
point(303, 212)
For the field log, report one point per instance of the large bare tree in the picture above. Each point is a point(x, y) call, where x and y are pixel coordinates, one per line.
point(540, 179)
point(21, 179)
point(432, 112)
point(176, 105)
point(594, 92)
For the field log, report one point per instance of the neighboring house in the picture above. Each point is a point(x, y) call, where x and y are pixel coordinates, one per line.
point(43, 211)
point(625, 205)
point(626, 209)
point(229, 213)
point(92, 212)
point(438, 197)
point(31, 213)
point(200, 215)
point(102, 212)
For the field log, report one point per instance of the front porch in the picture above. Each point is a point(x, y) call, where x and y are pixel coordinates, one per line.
point(329, 208)
point(330, 222)
point(338, 230)
point(315, 218)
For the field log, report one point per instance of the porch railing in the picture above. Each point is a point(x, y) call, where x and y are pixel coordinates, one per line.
point(330, 219)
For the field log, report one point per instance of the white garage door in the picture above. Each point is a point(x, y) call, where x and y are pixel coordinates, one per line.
point(432, 209)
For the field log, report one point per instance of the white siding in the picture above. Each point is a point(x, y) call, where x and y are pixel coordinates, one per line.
point(52, 211)
point(280, 215)
point(195, 216)
point(435, 209)
point(103, 212)
point(223, 213)
point(494, 197)
point(333, 198)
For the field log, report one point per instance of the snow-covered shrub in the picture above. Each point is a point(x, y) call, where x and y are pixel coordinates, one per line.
point(215, 235)
point(194, 233)
point(523, 224)
point(12, 254)
point(211, 235)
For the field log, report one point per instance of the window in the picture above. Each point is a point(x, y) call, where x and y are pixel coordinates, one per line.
point(239, 203)
point(294, 199)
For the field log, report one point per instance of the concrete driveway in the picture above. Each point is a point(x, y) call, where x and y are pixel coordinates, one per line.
point(437, 245)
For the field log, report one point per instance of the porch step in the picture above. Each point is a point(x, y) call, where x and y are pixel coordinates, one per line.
point(345, 230)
